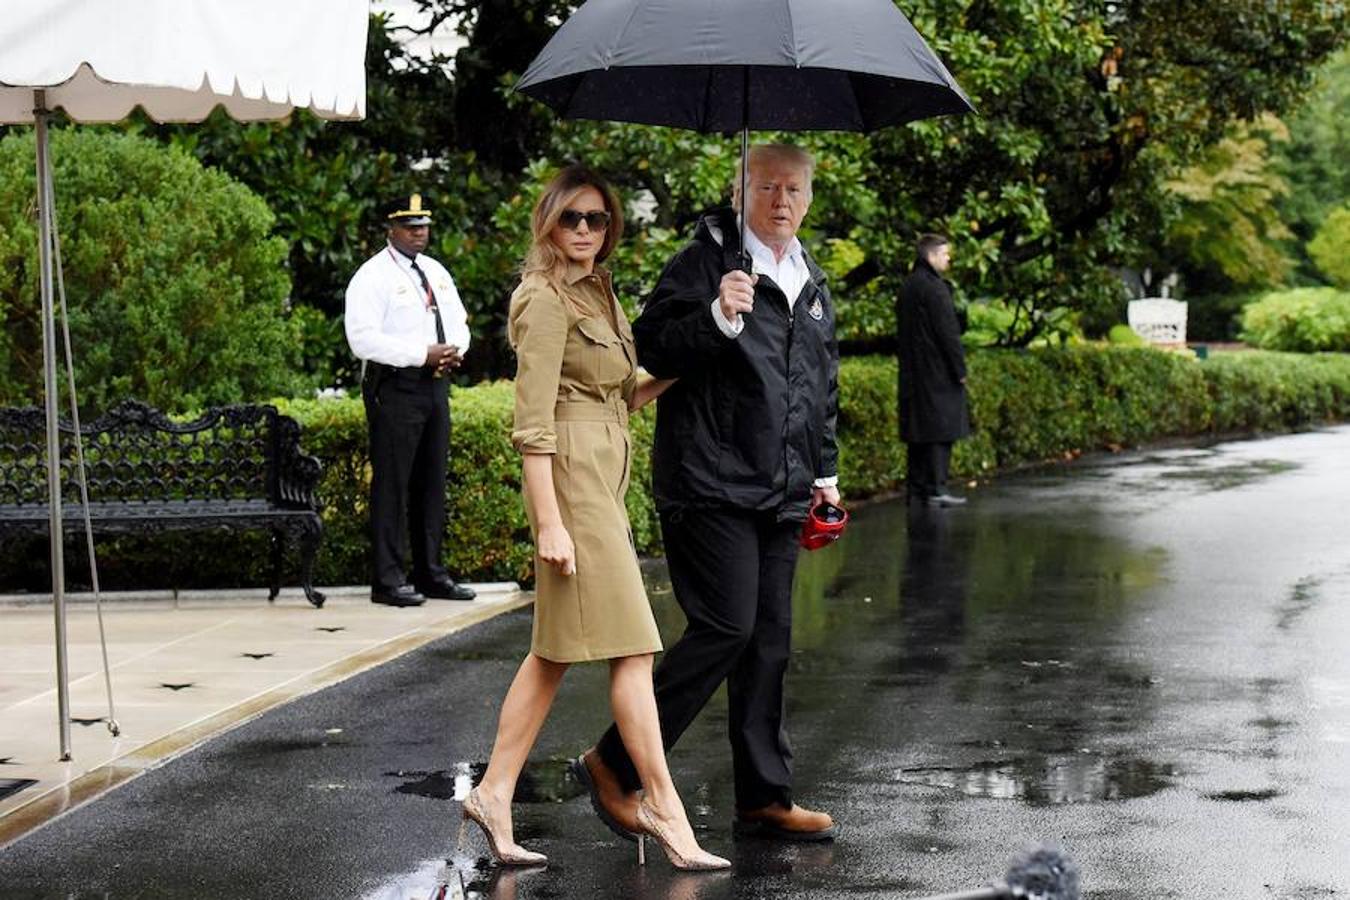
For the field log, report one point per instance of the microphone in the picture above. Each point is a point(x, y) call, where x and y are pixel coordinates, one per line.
point(1041, 873)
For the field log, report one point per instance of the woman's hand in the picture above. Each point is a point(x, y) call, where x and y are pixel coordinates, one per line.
point(555, 547)
point(648, 389)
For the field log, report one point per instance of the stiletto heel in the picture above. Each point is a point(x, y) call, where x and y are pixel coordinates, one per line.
point(476, 813)
point(463, 834)
point(703, 861)
point(642, 849)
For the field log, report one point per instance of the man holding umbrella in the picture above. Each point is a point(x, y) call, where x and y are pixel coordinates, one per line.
point(745, 446)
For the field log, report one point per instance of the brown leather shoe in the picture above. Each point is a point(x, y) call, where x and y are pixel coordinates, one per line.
point(617, 808)
point(779, 822)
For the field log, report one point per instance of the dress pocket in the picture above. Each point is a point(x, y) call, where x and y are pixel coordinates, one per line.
point(604, 361)
point(597, 331)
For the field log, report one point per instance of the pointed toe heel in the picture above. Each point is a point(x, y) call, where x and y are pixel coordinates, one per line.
point(699, 861)
point(475, 812)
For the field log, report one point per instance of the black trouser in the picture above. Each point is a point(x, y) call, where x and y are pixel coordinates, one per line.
point(927, 468)
point(408, 416)
point(732, 575)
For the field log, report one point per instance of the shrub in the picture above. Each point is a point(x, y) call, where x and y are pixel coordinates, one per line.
point(1302, 320)
point(1026, 406)
point(489, 536)
point(175, 289)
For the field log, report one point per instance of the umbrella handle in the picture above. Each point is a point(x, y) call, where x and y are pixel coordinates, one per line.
point(746, 265)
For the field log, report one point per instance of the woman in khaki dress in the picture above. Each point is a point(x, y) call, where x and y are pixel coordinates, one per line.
point(575, 386)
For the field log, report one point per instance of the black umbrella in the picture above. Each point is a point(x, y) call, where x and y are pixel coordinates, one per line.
point(737, 65)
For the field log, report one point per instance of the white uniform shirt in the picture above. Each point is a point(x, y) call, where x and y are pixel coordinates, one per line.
point(387, 319)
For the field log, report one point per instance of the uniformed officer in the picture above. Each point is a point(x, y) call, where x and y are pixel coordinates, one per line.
point(407, 324)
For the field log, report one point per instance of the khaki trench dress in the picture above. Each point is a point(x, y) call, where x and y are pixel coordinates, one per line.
point(576, 374)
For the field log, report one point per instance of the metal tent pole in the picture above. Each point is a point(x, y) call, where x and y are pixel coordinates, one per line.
point(55, 534)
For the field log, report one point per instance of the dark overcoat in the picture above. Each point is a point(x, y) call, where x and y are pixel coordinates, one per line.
point(932, 363)
point(750, 425)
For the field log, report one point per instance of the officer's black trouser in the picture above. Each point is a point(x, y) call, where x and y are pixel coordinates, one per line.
point(927, 467)
point(732, 575)
point(408, 417)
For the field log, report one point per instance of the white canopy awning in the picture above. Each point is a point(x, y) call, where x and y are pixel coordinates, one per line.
point(179, 59)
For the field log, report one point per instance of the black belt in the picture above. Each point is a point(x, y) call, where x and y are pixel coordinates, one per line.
point(376, 373)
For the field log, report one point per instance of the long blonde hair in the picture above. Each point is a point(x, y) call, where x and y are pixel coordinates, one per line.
point(547, 258)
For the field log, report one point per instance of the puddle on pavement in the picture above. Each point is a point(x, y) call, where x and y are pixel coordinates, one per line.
point(1231, 475)
point(1076, 779)
point(265, 748)
point(542, 781)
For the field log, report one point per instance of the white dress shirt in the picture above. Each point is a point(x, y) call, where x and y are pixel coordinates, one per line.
point(789, 273)
point(387, 318)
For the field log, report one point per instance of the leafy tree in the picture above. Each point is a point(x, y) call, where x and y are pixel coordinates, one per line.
point(1228, 234)
point(1315, 161)
point(175, 286)
point(1330, 248)
point(1086, 110)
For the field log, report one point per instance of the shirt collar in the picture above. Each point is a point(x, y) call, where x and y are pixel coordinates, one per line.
point(576, 273)
point(402, 258)
point(761, 251)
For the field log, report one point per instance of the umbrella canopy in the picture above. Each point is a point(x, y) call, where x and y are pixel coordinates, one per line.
point(713, 65)
point(258, 58)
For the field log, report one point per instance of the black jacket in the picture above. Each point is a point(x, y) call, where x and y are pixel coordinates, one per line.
point(932, 363)
point(751, 422)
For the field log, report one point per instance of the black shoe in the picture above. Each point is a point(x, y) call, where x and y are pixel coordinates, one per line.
point(446, 589)
point(403, 595)
point(944, 500)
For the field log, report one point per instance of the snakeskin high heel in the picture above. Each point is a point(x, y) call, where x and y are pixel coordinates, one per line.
point(702, 861)
point(475, 812)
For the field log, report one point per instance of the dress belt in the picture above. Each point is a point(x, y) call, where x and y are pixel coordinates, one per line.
point(574, 411)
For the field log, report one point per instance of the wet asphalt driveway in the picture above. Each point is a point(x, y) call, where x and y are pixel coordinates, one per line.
point(1141, 657)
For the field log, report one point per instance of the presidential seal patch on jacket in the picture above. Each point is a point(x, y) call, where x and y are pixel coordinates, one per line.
point(817, 311)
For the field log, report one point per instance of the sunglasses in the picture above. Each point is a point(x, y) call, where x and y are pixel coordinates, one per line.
point(572, 218)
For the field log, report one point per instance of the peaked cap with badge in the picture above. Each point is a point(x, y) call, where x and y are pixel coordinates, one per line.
point(407, 211)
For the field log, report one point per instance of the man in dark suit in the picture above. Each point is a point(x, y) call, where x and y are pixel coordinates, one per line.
point(933, 412)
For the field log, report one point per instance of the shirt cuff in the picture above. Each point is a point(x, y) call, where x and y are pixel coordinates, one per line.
point(730, 329)
point(832, 481)
point(539, 440)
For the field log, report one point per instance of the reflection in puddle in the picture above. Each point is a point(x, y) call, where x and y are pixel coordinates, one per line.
point(1223, 477)
point(1072, 779)
point(434, 879)
point(1303, 597)
point(542, 781)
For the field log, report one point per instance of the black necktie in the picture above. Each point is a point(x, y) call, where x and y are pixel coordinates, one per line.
point(431, 301)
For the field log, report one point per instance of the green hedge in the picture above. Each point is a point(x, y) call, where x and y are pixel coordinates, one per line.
point(1026, 407)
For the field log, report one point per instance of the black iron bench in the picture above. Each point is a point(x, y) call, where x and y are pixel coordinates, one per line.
point(235, 467)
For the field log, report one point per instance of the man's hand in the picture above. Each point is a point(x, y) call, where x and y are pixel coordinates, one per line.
point(737, 295)
point(443, 356)
point(828, 495)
